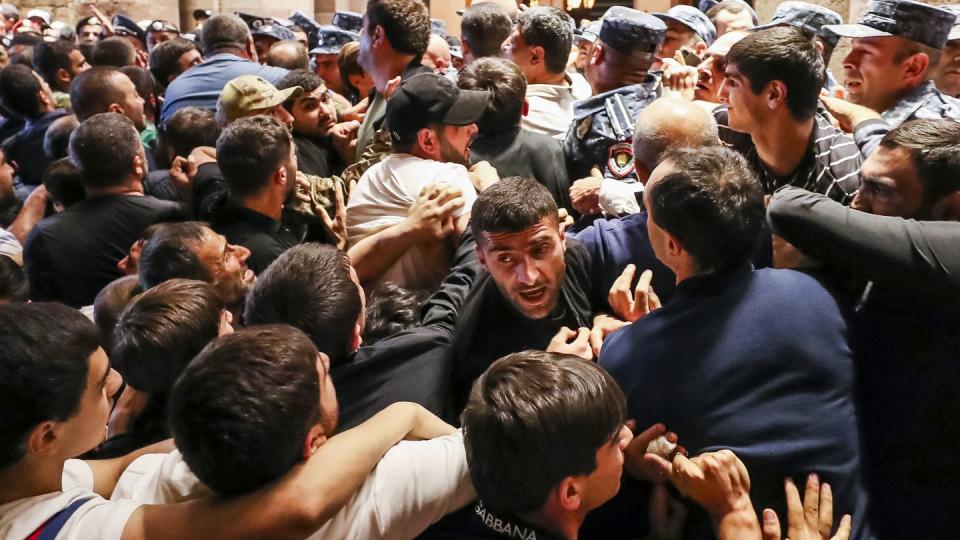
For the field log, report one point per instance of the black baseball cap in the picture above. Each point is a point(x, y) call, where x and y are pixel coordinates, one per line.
point(429, 98)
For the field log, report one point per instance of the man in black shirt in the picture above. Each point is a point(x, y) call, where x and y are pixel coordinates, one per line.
point(314, 115)
point(510, 150)
point(70, 256)
point(535, 283)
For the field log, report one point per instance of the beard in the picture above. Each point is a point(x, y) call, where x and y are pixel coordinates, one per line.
point(449, 154)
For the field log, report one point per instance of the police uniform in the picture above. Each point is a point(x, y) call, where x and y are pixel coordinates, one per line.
point(350, 21)
point(918, 22)
point(601, 134)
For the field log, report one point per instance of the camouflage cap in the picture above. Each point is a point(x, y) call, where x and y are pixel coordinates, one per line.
point(905, 18)
point(248, 93)
point(631, 31)
point(693, 19)
point(806, 16)
point(330, 39)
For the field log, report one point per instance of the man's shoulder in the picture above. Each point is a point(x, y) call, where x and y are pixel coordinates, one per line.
point(93, 516)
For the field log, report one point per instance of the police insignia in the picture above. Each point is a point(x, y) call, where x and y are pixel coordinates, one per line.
point(620, 163)
point(584, 127)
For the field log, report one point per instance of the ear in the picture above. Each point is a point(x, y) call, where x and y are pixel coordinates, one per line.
point(357, 338)
point(115, 107)
point(819, 45)
point(251, 50)
point(537, 54)
point(674, 247)
point(526, 108)
point(314, 440)
point(481, 256)
point(776, 94)
point(139, 165)
point(378, 37)
point(428, 142)
point(947, 208)
point(569, 494)
point(596, 55)
point(43, 440)
point(465, 47)
point(63, 77)
point(916, 66)
point(280, 176)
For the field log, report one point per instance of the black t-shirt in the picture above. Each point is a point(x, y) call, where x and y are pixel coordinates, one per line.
point(316, 156)
point(476, 522)
point(265, 237)
point(70, 256)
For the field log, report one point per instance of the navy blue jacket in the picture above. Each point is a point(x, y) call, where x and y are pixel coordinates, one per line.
point(756, 361)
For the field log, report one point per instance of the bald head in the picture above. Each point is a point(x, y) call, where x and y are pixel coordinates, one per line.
point(290, 55)
point(437, 56)
point(669, 123)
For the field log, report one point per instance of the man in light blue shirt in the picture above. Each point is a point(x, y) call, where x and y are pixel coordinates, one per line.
point(228, 53)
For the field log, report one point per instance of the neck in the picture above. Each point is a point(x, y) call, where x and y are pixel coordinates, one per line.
point(388, 69)
point(228, 50)
point(566, 524)
point(684, 269)
point(782, 144)
point(131, 186)
point(545, 77)
point(263, 203)
point(29, 479)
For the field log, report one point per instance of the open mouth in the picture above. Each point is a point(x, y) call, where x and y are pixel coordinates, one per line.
point(534, 296)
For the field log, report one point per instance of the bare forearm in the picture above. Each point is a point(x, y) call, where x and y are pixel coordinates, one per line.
point(375, 254)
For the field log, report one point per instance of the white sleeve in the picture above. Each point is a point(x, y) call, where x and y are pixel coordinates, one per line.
point(76, 473)
point(98, 519)
point(159, 479)
point(619, 198)
point(417, 483)
point(460, 177)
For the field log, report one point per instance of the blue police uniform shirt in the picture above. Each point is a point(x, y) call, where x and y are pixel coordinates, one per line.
point(601, 134)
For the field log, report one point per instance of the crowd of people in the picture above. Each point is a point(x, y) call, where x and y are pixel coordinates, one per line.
point(648, 276)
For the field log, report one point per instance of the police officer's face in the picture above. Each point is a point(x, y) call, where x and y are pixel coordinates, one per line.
point(948, 72)
point(890, 185)
point(746, 110)
point(678, 35)
point(528, 267)
point(872, 76)
point(328, 69)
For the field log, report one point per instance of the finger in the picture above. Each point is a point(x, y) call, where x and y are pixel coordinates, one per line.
point(325, 217)
point(651, 433)
point(622, 283)
point(843, 531)
point(451, 206)
point(596, 340)
point(811, 501)
point(771, 525)
point(583, 336)
point(794, 506)
point(826, 510)
point(566, 334)
point(685, 473)
point(595, 172)
point(653, 301)
point(641, 293)
point(631, 425)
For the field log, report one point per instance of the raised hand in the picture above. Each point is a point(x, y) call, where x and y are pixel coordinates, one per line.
point(631, 304)
point(811, 519)
point(575, 342)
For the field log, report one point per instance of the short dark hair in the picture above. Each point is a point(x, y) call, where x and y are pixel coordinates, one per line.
point(94, 90)
point(309, 287)
point(109, 303)
point(242, 409)
point(56, 141)
point(223, 31)
point(13, 282)
point(189, 128)
point(52, 56)
point(307, 80)
point(300, 59)
point(511, 205)
point(45, 350)
point(64, 182)
point(249, 150)
point(161, 330)
point(485, 26)
point(782, 53)
point(20, 91)
point(934, 148)
point(391, 309)
point(165, 58)
point(507, 87)
point(171, 253)
point(103, 147)
point(712, 203)
point(142, 80)
point(548, 27)
point(534, 418)
point(114, 51)
point(406, 24)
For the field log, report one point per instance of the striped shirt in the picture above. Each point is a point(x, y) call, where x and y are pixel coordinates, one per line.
point(830, 167)
point(10, 247)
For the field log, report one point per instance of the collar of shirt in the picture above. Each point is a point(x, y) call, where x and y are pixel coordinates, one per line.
point(510, 527)
point(234, 213)
point(909, 104)
point(712, 283)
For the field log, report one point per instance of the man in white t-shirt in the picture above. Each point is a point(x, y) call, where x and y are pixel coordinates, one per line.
point(56, 392)
point(432, 124)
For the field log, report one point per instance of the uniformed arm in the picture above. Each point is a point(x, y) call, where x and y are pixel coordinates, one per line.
point(306, 497)
point(920, 256)
point(868, 135)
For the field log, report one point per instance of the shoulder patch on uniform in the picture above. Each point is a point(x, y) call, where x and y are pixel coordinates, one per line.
point(584, 127)
point(620, 160)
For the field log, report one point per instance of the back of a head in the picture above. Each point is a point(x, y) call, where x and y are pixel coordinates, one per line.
point(549, 413)
point(44, 363)
point(14, 287)
point(142, 80)
point(114, 51)
point(249, 150)
point(51, 56)
point(934, 148)
point(507, 87)
point(391, 309)
point(712, 203)
point(189, 128)
point(485, 26)
point(20, 91)
point(93, 91)
point(309, 287)
point(56, 141)
point(782, 53)
point(667, 123)
point(109, 303)
point(288, 54)
point(161, 330)
point(224, 31)
point(165, 58)
point(406, 24)
point(172, 253)
point(104, 147)
point(731, 6)
point(550, 28)
point(64, 182)
point(511, 205)
point(305, 79)
point(242, 409)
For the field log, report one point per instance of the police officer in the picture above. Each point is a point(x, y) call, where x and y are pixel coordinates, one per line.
point(350, 21)
point(325, 55)
point(126, 27)
point(896, 45)
point(601, 134)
